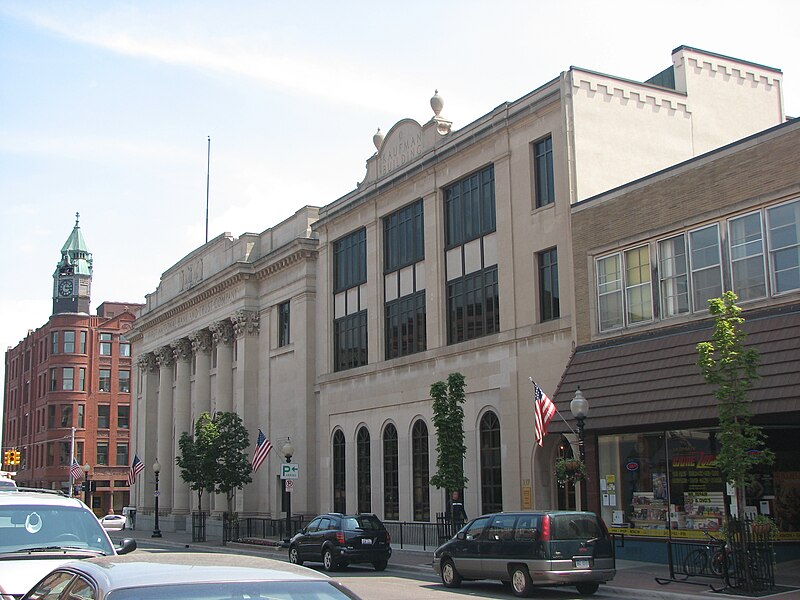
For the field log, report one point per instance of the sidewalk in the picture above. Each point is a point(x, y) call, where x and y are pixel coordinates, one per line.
point(633, 579)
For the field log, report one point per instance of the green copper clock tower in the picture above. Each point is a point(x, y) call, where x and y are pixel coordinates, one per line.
point(72, 280)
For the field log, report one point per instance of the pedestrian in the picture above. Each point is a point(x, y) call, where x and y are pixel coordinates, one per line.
point(458, 513)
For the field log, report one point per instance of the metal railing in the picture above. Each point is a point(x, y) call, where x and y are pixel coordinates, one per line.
point(199, 526)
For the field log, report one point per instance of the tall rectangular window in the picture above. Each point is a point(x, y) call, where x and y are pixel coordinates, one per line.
point(615, 309)
point(549, 306)
point(638, 291)
point(473, 306)
point(105, 344)
point(53, 380)
point(283, 323)
point(81, 415)
point(122, 455)
point(69, 342)
point(470, 208)
point(82, 379)
point(405, 325)
point(673, 276)
point(705, 260)
point(67, 378)
point(350, 341)
point(124, 349)
point(124, 381)
point(350, 261)
point(51, 416)
point(784, 246)
point(104, 384)
point(609, 291)
point(66, 415)
point(123, 416)
point(103, 416)
point(102, 453)
point(82, 342)
point(543, 172)
point(350, 314)
point(403, 237)
point(748, 269)
point(54, 342)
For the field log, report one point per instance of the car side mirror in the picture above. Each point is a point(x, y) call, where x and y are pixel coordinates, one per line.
point(461, 535)
point(304, 531)
point(127, 545)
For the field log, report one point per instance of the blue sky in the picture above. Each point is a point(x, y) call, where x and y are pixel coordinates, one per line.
point(105, 108)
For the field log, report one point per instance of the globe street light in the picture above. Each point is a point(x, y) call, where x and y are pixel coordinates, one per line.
point(288, 452)
point(579, 406)
point(87, 486)
point(156, 470)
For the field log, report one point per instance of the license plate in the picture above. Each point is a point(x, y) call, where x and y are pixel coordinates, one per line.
point(581, 563)
point(368, 541)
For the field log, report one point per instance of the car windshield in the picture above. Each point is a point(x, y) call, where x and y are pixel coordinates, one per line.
point(363, 522)
point(268, 590)
point(37, 526)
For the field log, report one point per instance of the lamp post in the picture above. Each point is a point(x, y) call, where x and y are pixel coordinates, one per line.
point(288, 452)
point(87, 489)
point(156, 470)
point(580, 410)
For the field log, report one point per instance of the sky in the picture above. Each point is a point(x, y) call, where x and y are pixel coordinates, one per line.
point(106, 108)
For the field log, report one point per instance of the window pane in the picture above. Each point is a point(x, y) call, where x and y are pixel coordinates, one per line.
point(125, 381)
point(363, 479)
point(69, 342)
point(104, 384)
point(784, 246)
point(491, 464)
point(543, 172)
point(339, 474)
point(706, 267)
point(391, 479)
point(124, 349)
point(639, 294)
point(420, 471)
point(609, 286)
point(549, 306)
point(748, 273)
point(674, 278)
point(67, 378)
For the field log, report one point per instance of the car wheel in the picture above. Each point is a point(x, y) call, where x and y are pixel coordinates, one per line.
point(587, 589)
point(380, 565)
point(294, 556)
point(328, 560)
point(521, 582)
point(450, 577)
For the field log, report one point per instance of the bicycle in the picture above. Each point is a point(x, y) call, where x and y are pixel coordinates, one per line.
point(709, 560)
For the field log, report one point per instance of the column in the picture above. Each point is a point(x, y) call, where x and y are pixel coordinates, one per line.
point(166, 359)
point(222, 332)
point(182, 410)
point(145, 434)
point(246, 327)
point(201, 395)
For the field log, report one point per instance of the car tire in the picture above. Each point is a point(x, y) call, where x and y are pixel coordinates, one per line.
point(328, 560)
point(450, 576)
point(521, 583)
point(294, 556)
point(587, 589)
point(380, 565)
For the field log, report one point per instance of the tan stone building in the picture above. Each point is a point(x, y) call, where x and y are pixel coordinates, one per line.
point(445, 258)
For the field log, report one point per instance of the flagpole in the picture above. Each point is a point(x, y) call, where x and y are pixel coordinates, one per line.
point(71, 460)
point(533, 383)
point(208, 178)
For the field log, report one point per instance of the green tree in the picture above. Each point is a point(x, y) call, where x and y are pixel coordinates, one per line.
point(448, 420)
point(196, 460)
point(732, 368)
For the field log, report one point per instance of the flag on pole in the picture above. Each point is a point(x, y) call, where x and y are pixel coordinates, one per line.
point(263, 446)
point(75, 469)
point(137, 466)
point(543, 410)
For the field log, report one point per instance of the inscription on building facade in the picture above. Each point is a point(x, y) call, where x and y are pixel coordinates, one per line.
point(195, 313)
point(403, 145)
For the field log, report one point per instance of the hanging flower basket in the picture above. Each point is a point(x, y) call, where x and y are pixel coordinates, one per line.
point(569, 470)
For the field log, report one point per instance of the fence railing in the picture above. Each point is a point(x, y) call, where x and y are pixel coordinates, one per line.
point(199, 526)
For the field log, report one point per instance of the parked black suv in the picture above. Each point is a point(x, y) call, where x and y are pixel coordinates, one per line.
point(336, 540)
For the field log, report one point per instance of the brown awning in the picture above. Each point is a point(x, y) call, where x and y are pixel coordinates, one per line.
point(653, 379)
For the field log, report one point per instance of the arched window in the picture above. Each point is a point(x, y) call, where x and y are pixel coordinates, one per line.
point(491, 475)
point(391, 468)
point(364, 491)
point(420, 471)
point(339, 490)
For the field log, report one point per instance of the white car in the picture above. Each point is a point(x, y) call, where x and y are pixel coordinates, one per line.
point(113, 522)
point(41, 530)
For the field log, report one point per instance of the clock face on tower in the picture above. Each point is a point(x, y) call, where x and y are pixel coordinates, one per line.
point(65, 287)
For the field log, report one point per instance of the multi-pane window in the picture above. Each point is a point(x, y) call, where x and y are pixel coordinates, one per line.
point(104, 384)
point(82, 342)
point(82, 379)
point(123, 416)
point(391, 472)
point(122, 454)
point(404, 281)
point(350, 311)
point(124, 381)
point(748, 267)
point(66, 415)
point(105, 344)
point(81, 415)
point(491, 464)
point(636, 305)
point(544, 185)
point(68, 378)
point(363, 480)
point(284, 321)
point(420, 471)
point(53, 380)
point(54, 342)
point(471, 258)
point(103, 416)
point(705, 260)
point(69, 342)
point(783, 230)
point(102, 453)
point(339, 473)
point(124, 349)
point(549, 306)
point(673, 276)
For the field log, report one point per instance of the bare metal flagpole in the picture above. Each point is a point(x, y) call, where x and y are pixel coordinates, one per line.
point(208, 177)
point(554, 404)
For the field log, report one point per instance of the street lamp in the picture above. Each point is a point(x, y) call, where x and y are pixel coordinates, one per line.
point(288, 452)
point(156, 470)
point(580, 410)
point(87, 489)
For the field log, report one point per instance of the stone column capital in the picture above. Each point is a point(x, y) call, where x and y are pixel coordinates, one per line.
point(147, 362)
point(245, 322)
point(165, 356)
point(201, 340)
point(182, 349)
point(222, 331)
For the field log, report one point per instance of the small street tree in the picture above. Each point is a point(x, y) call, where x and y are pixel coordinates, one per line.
point(196, 461)
point(448, 420)
point(732, 368)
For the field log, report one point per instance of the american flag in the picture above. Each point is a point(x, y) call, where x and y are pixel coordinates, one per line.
point(137, 466)
point(543, 410)
point(75, 469)
point(263, 446)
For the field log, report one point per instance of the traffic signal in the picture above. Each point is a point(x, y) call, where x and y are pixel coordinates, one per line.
point(15, 457)
point(7, 457)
